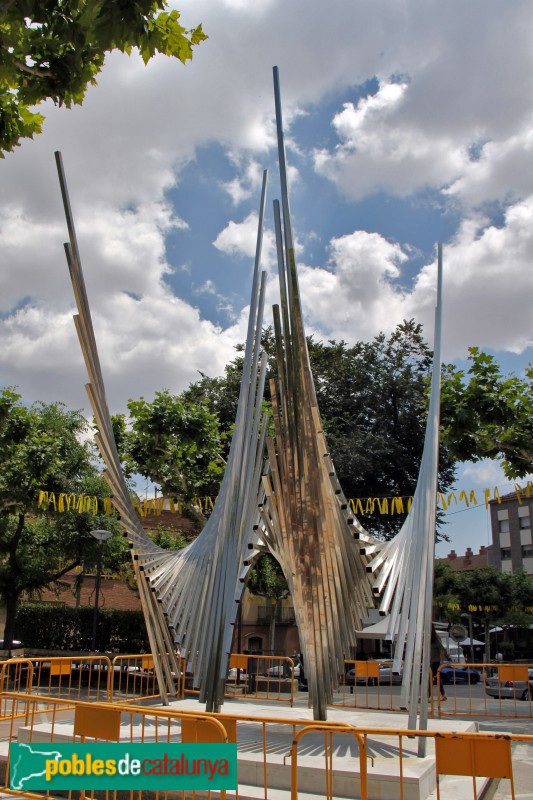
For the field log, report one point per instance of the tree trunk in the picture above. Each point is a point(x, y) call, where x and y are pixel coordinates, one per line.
point(272, 625)
point(12, 601)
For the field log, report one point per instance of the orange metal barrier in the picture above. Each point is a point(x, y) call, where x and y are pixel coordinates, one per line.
point(488, 757)
point(85, 678)
point(486, 690)
point(360, 786)
point(280, 753)
point(256, 677)
point(466, 689)
point(93, 678)
point(16, 675)
point(134, 675)
point(372, 685)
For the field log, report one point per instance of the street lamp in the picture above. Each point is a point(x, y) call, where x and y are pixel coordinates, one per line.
point(101, 537)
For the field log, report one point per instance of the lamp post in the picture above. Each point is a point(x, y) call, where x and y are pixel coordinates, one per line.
point(101, 537)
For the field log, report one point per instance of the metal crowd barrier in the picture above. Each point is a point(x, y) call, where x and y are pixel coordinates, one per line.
point(365, 686)
point(75, 678)
point(257, 677)
point(465, 687)
point(510, 687)
point(134, 675)
point(88, 678)
point(277, 754)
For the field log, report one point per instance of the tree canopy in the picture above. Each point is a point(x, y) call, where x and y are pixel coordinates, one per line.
point(175, 444)
point(54, 49)
point(373, 403)
point(487, 415)
point(489, 596)
point(40, 448)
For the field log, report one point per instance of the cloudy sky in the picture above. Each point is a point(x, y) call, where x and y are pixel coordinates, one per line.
point(407, 121)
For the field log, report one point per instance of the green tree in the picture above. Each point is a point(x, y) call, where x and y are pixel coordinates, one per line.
point(488, 595)
point(373, 403)
point(54, 49)
point(485, 414)
point(40, 449)
point(267, 580)
point(176, 445)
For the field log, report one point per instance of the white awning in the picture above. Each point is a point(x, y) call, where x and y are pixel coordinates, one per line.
point(376, 631)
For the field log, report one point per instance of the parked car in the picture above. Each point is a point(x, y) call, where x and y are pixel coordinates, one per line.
point(519, 690)
point(459, 674)
point(283, 670)
point(16, 644)
point(386, 676)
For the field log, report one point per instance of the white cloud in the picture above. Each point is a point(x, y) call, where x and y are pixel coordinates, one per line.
point(240, 238)
point(378, 153)
point(360, 295)
point(486, 473)
point(354, 298)
point(450, 75)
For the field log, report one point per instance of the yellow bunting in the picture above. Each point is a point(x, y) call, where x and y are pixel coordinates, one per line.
point(359, 506)
point(452, 496)
point(383, 505)
point(397, 505)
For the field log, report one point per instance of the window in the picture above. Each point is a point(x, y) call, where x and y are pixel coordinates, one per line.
point(525, 522)
point(527, 551)
point(503, 525)
point(255, 644)
point(505, 553)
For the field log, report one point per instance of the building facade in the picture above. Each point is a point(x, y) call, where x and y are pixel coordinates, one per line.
point(510, 519)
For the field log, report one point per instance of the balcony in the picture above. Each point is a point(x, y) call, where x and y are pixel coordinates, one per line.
point(284, 615)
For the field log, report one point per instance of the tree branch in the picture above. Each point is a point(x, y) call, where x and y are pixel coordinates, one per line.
point(64, 571)
point(40, 72)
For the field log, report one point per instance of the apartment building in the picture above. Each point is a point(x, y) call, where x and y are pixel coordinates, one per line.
point(511, 533)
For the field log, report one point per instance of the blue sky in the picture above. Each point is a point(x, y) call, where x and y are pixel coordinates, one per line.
point(407, 123)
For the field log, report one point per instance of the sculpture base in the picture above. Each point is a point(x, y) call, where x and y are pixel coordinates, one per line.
point(418, 774)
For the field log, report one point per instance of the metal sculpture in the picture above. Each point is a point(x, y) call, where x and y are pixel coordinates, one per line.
point(404, 568)
point(335, 570)
point(305, 521)
point(189, 597)
point(295, 510)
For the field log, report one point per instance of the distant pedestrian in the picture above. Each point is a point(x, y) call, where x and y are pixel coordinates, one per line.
point(436, 655)
point(302, 680)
